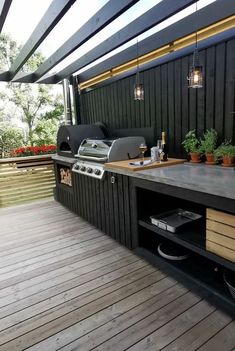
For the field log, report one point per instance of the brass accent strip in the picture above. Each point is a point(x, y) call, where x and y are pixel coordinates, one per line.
point(178, 44)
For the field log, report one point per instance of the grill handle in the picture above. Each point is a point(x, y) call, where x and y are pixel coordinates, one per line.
point(101, 159)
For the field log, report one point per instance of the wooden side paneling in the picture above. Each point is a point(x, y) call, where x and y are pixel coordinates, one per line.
point(26, 179)
point(168, 103)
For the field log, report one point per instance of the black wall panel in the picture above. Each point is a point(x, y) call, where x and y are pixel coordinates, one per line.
point(169, 104)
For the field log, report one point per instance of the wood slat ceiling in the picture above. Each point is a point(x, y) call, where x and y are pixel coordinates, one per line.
point(214, 12)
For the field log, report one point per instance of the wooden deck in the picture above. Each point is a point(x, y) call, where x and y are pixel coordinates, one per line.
point(64, 285)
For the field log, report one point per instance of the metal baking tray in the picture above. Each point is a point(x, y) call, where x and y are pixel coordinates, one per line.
point(175, 220)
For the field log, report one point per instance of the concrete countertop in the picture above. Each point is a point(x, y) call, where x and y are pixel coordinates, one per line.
point(59, 158)
point(214, 180)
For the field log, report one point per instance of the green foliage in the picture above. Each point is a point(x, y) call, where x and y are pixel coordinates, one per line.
point(191, 142)
point(225, 149)
point(45, 132)
point(208, 144)
point(31, 102)
point(8, 51)
point(33, 62)
point(58, 110)
point(10, 138)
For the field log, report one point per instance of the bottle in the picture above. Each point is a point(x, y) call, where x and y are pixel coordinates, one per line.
point(155, 154)
point(164, 152)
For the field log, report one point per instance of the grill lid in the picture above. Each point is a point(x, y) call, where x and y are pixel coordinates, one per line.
point(94, 148)
point(110, 150)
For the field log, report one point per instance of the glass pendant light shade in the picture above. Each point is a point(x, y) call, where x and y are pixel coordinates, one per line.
point(195, 79)
point(138, 87)
point(138, 91)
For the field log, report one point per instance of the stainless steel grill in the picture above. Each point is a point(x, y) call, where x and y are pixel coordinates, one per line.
point(93, 154)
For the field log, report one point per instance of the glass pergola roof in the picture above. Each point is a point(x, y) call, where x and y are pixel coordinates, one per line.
point(74, 40)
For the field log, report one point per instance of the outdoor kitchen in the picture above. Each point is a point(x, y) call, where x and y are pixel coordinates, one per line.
point(120, 234)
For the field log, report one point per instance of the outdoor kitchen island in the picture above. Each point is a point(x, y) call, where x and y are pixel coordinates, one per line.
point(122, 203)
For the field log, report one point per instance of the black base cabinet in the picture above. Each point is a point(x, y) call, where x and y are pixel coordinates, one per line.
point(202, 267)
point(105, 204)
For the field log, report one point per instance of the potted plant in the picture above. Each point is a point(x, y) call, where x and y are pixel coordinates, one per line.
point(226, 152)
point(192, 146)
point(208, 145)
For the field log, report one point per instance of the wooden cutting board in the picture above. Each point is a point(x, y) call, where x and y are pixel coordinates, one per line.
point(125, 164)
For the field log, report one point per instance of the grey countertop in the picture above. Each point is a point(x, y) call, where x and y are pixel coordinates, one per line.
point(214, 180)
point(69, 160)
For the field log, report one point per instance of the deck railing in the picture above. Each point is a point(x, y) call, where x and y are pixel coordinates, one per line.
point(24, 179)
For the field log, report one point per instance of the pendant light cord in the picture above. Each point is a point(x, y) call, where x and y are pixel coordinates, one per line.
point(137, 60)
point(195, 55)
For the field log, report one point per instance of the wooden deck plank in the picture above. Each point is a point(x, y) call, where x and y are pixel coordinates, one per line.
point(65, 285)
point(152, 299)
point(117, 251)
point(200, 333)
point(54, 280)
point(224, 340)
point(174, 328)
point(148, 325)
point(40, 328)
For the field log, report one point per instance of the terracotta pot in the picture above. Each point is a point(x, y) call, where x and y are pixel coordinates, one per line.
point(195, 157)
point(228, 161)
point(210, 159)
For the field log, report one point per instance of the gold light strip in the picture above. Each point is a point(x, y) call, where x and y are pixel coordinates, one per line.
point(178, 44)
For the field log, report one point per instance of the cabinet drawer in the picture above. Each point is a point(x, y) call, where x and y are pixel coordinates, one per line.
point(220, 250)
point(220, 228)
point(220, 234)
point(220, 217)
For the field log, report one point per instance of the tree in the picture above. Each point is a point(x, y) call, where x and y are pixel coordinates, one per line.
point(8, 51)
point(45, 132)
point(31, 102)
point(10, 138)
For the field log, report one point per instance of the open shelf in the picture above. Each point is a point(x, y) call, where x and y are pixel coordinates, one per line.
point(202, 268)
point(192, 239)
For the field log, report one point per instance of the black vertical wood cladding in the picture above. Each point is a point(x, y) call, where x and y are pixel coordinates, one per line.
point(104, 204)
point(169, 104)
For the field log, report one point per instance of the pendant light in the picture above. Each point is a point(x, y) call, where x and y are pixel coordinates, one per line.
point(138, 87)
point(195, 77)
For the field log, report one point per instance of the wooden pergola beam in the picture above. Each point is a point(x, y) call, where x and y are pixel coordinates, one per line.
point(102, 18)
point(55, 12)
point(5, 9)
point(23, 77)
point(4, 76)
point(155, 15)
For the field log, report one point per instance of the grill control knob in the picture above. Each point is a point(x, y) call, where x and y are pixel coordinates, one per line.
point(76, 167)
point(89, 170)
point(83, 168)
point(97, 171)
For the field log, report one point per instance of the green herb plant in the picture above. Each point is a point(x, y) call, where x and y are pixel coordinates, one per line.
point(209, 141)
point(191, 142)
point(225, 149)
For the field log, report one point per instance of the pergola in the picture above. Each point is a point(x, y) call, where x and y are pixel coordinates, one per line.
point(214, 22)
